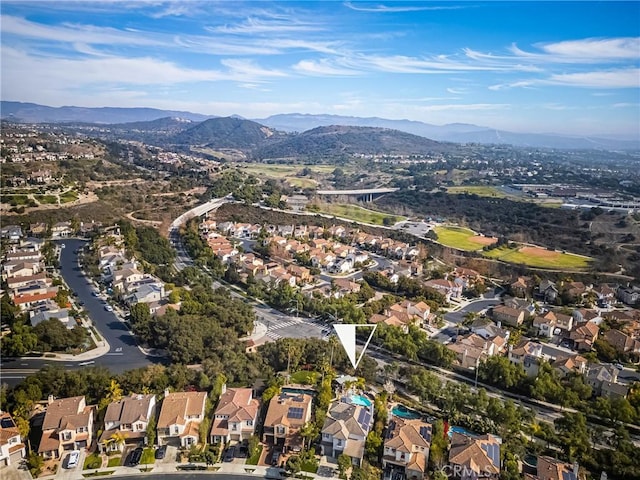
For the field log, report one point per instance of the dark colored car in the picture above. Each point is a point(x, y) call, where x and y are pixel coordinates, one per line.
point(134, 457)
point(275, 458)
point(161, 452)
point(243, 451)
point(228, 455)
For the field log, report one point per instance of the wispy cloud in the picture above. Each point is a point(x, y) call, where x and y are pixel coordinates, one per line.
point(465, 107)
point(626, 105)
point(253, 26)
point(323, 67)
point(457, 91)
point(398, 9)
point(620, 78)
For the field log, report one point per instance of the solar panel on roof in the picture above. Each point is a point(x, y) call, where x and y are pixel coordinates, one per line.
point(568, 476)
point(7, 423)
point(295, 413)
point(425, 432)
point(493, 452)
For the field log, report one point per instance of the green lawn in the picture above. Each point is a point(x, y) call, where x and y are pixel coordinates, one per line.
point(539, 257)
point(46, 199)
point(458, 237)
point(148, 456)
point(281, 171)
point(302, 182)
point(254, 459)
point(92, 461)
point(480, 190)
point(304, 377)
point(359, 214)
point(115, 461)
point(15, 200)
point(69, 196)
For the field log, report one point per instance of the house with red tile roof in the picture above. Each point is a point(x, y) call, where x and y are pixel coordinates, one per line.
point(235, 417)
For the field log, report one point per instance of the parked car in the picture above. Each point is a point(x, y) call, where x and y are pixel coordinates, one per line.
point(161, 452)
point(228, 455)
point(72, 459)
point(275, 458)
point(134, 457)
point(619, 366)
point(108, 308)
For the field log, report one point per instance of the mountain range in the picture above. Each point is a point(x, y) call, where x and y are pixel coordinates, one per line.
point(296, 122)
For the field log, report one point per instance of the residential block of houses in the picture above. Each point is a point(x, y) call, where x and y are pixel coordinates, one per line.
point(476, 457)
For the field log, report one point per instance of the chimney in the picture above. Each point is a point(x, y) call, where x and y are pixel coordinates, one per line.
point(166, 392)
point(50, 399)
point(224, 389)
point(576, 468)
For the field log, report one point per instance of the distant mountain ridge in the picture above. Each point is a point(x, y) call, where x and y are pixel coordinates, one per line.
point(34, 113)
point(297, 122)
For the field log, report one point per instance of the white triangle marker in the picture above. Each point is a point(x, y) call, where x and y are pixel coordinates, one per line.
point(347, 334)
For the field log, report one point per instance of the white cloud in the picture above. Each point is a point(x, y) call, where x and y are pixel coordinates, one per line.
point(253, 26)
point(457, 91)
point(626, 105)
point(620, 78)
point(595, 49)
point(249, 69)
point(465, 107)
point(396, 9)
point(323, 67)
point(521, 84)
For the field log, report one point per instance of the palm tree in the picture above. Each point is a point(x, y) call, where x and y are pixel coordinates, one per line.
point(118, 438)
point(308, 432)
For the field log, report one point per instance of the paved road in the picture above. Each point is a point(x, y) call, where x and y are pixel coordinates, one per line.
point(279, 325)
point(124, 353)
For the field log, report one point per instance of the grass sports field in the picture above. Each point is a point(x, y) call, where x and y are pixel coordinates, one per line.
point(539, 257)
point(462, 238)
point(358, 214)
point(282, 171)
point(480, 190)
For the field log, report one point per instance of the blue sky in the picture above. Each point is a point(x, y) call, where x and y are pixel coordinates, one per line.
point(571, 68)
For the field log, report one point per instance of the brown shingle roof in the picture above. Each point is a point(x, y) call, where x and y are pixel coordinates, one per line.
point(177, 406)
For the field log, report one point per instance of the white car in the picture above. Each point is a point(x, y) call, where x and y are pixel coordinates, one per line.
point(108, 308)
point(72, 459)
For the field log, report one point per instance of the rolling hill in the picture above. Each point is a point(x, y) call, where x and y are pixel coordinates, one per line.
point(227, 132)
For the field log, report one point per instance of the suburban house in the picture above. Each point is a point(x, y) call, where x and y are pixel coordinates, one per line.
point(552, 469)
point(570, 364)
point(236, 416)
point(527, 354)
point(345, 429)
point(180, 417)
point(67, 425)
point(445, 287)
point(475, 457)
point(604, 382)
point(406, 448)
point(471, 349)
point(12, 449)
point(629, 295)
point(286, 415)
point(548, 291)
point(127, 418)
point(11, 232)
point(622, 342)
point(550, 321)
point(509, 316)
point(487, 329)
point(584, 335)
point(61, 230)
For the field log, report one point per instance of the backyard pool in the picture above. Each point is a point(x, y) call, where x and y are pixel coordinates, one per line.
point(360, 400)
point(404, 412)
point(461, 430)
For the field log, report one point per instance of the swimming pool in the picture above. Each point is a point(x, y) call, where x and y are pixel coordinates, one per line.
point(404, 412)
point(360, 400)
point(461, 430)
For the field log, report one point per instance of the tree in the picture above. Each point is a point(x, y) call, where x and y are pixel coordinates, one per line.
point(373, 447)
point(344, 464)
point(151, 431)
point(439, 445)
point(118, 439)
point(574, 435)
point(308, 432)
point(294, 464)
point(500, 371)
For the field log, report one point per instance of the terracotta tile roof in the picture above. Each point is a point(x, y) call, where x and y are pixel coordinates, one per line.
point(480, 454)
point(8, 428)
point(177, 406)
point(33, 298)
point(552, 469)
point(279, 405)
point(66, 411)
point(238, 404)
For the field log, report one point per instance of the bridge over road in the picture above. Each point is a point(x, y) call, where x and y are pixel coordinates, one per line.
point(364, 195)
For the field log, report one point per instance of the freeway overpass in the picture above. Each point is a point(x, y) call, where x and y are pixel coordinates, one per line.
point(364, 195)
